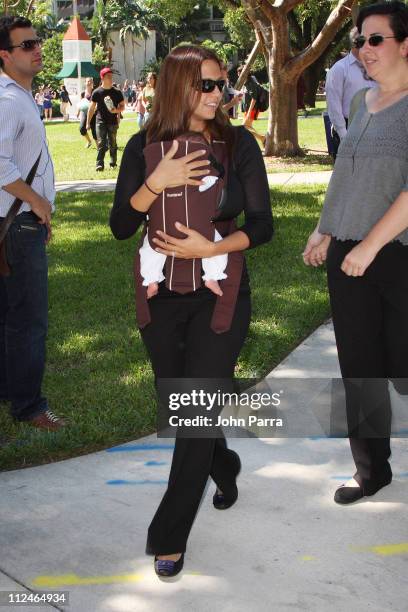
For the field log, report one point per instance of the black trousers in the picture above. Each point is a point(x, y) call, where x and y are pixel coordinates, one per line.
point(370, 317)
point(180, 344)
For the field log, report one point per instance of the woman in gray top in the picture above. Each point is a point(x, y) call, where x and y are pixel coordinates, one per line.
point(363, 232)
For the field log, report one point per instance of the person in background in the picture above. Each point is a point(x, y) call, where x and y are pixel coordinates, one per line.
point(132, 100)
point(65, 101)
point(108, 103)
point(250, 105)
point(300, 95)
point(23, 293)
point(48, 98)
point(231, 98)
point(126, 92)
point(148, 94)
point(344, 79)
point(39, 100)
point(139, 106)
point(89, 87)
point(82, 114)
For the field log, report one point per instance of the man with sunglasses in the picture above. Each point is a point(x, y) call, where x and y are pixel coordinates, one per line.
point(344, 79)
point(23, 294)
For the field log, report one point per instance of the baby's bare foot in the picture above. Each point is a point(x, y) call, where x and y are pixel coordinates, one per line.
point(152, 290)
point(214, 286)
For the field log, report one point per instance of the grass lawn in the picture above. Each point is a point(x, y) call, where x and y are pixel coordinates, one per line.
point(73, 162)
point(98, 374)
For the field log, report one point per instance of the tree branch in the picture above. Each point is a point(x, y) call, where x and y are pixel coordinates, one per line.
point(288, 5)
point(338, 15)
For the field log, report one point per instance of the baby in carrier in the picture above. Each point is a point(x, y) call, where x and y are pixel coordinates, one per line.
point(193, 206)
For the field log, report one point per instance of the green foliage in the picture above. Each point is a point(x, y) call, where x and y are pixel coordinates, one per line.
point(225, 51)
point(40, 13)
point(172, 11)
point(52, 61)
point(240, 30)
point(153, 65)
point(312, 9)
point(127, 16)
point(100, 57)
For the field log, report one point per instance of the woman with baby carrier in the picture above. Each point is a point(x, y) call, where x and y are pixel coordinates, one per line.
point(191, 331)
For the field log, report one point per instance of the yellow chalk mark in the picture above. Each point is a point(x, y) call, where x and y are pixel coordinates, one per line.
point(73, 579)
point(308, 558)
point(385, 550)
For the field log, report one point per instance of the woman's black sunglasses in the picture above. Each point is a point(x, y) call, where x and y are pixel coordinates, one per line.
point(28, 45)
point(374, 40)
point(208, 85)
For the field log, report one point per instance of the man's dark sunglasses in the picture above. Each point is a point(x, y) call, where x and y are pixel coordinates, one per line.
point(208, 85)
point(374, 40)
point(28, 45)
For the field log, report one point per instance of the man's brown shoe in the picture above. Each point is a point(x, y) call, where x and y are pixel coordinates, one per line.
point(47, 420)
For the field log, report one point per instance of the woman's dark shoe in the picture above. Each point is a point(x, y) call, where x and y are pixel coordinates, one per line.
point(222, 500)
point(348, 495)
point(167, 568)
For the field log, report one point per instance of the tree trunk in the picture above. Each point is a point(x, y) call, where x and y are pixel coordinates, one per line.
point(282, 136)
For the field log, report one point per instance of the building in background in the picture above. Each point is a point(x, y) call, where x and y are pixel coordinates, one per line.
point(77, 62)
point(126, 58)
point(64, 9)
point(212, 26)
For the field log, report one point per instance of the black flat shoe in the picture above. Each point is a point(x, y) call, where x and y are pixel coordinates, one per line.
point(222, 500)
point(348, 495)
point(167, 568)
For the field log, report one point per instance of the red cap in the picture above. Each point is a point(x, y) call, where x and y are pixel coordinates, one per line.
point(105, 71)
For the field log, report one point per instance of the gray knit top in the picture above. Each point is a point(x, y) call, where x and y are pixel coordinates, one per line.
point(371, 170)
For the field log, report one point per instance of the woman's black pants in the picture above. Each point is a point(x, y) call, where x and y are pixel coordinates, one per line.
point(370, 317)
point(181, 344)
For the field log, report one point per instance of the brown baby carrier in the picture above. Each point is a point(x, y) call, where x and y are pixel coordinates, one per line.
point(202, 211)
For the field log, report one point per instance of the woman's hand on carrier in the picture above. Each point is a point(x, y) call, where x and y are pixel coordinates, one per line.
point(177, 172)
point(195, 245)
point(358, 259)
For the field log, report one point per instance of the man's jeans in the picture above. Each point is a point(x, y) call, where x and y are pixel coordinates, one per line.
point(106, 138)
point(24, 317)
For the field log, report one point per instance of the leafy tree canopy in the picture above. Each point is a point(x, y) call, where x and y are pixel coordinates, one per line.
point(225, 51)
point(52, 61)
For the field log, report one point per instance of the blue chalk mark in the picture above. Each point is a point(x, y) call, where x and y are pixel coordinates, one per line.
point(136, 482)
point(139, 447)
point(156, 463)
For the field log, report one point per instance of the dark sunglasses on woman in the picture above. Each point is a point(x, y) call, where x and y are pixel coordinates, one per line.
point(374, 40)
point(208, 85)
point(28, 45)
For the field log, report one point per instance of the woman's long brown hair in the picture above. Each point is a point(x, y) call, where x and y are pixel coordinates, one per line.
point(177, 93)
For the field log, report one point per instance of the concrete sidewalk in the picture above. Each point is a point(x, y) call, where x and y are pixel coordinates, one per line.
point(80, 526)
point(279, 178)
